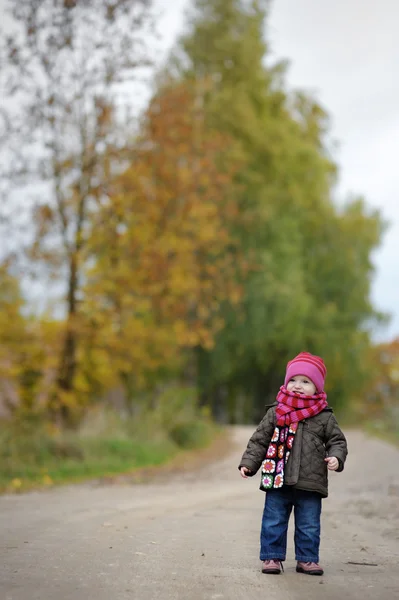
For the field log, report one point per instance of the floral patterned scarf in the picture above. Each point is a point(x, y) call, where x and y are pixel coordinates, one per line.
point(291, 408)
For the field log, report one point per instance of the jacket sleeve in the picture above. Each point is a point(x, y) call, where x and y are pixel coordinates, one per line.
point(258, 444)
point(335, 442)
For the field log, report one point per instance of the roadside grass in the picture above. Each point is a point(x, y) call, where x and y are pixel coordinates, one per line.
point(35, 455)
point(384, 426)
point(383, 429)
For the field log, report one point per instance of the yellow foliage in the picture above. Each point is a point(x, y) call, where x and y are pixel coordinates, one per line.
point(46, 480)
point(163, 260)
point(16, 484)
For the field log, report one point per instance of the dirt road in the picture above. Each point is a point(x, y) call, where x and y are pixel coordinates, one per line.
point(195, 536)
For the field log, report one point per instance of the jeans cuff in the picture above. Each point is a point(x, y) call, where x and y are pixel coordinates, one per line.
point(274, 556)
point(302, 558)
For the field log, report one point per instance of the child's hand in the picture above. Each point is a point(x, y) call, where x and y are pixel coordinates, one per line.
point(332, 463)
point(244, 471)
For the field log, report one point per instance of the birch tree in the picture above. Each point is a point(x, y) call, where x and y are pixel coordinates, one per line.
point(71, 73)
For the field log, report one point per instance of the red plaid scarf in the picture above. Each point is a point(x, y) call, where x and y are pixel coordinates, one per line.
point(292, 407)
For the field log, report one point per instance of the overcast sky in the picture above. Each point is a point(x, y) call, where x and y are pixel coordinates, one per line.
point(346, 52)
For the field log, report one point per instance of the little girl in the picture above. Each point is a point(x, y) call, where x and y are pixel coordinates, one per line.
point(296, 442)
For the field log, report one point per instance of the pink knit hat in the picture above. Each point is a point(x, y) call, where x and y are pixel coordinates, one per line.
point(310, 365)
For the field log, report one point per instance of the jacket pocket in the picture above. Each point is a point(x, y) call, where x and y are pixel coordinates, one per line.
point(314, 434)
point(318, 444)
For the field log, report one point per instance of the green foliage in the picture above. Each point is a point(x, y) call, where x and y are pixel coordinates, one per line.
point(34, 453)
point(309, 285)
point(192, 434)
point(177, 414)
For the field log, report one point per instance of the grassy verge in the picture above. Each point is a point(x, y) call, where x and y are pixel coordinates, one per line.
point(384, 430)
point(33, 456)
point(383, 426)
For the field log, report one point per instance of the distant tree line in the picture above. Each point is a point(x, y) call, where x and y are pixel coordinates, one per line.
point(197, 245)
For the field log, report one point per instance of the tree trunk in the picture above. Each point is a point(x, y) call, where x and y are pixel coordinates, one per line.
point(219, 404)
point(67, 366)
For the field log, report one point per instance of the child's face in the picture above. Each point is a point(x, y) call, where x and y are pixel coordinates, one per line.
point(302, 385)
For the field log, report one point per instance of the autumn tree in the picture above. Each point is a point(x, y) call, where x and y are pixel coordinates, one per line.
point(27, 349)
point(67, 72)
point(12, 336)
point(378, 399)
point(164, 257)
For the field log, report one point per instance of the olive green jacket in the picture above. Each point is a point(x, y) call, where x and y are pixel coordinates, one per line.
point(316, 438)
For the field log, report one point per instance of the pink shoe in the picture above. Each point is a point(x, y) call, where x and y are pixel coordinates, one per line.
point(272, 567)
point(309, 568)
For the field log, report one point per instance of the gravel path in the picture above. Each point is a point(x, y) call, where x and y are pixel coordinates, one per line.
point(195, 536)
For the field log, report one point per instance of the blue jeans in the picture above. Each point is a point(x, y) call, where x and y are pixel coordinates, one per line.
point(276, 514)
